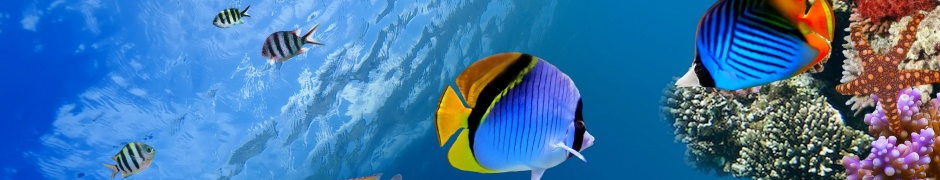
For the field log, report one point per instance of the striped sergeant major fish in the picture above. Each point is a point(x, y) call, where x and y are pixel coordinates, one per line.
point(281, 46)
point(522, 114)
point(376, 177)
point(230, 17)
point(746, 43)
point(132, 159)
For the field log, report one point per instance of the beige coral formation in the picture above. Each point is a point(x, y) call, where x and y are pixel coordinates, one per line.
point(786, 131)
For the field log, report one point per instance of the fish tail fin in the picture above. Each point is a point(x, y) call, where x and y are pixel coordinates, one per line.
point(820, 19)
point(451, 115)
point(396, 177)
point(245, 12)
point(309, 34)
point(113, 168)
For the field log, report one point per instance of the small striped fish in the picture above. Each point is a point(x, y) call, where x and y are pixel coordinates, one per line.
point(132, 159)
point(747, 43)
point(376, 177)
point(230, 17)
point(284, 45)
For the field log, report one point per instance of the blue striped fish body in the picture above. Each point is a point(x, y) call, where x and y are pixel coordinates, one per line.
point(524, 114)
point(230, 17)
point(522, 126)
point(746, 43)
point(281, 46)
point(132, 159)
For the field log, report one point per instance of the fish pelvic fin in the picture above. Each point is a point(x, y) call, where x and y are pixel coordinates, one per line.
point(307, 36)
point(451, 115)
point(113, 168)
point(537, 174)
point(245, 12)
point(396, 177)
point(572, 151)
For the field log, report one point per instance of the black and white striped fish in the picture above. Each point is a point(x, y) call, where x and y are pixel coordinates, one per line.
point(230, 17)
point(132, 159)
point(284, 45)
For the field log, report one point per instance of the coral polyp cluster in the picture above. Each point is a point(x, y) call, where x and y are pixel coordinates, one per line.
point(892, 10)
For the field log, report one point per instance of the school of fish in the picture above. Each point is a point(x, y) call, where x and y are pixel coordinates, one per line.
point(517, 112)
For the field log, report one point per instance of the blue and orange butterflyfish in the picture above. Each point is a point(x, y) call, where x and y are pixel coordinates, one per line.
point(747, 43)
point(521, 114)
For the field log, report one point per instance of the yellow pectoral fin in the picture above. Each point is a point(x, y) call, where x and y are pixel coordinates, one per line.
point(462, 158)
point(472, 80)
point(451, 115)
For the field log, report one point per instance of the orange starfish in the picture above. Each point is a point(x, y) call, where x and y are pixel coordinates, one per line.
point(881, 75)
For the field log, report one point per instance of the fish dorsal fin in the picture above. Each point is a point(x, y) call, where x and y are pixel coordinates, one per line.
point(793, 10)
point(572, 151)
point(473, 79)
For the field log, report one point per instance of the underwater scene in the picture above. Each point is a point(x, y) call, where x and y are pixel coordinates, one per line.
point(470, 89)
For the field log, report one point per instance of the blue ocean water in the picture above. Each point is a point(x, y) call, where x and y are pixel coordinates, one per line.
point(84, 77)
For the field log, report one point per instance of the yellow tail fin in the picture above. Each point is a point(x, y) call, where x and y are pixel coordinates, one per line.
point(451, 115)
point(113, 168)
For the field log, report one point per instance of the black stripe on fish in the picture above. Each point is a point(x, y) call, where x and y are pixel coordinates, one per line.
point(704, 76)
point(291, 41)
point(270, 47)
point(278, 45)
point(579, 129)
point(218, 18)
point(493, 89)
point(123, 161)
point(130, 157)
point(237, 15)
point(140, 152)
point(286, 43)
point(226, 17)
point(231, 16)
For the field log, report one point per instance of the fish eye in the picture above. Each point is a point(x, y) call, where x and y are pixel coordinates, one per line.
point(149, 149)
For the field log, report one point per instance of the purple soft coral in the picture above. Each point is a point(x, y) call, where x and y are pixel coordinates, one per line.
point(908, 111)
point(888, 159)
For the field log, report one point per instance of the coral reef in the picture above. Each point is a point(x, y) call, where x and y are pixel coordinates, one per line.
point(890, 159)
point(892, 10)
point(881, 76)
point(786, 131)
point(924, 54)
